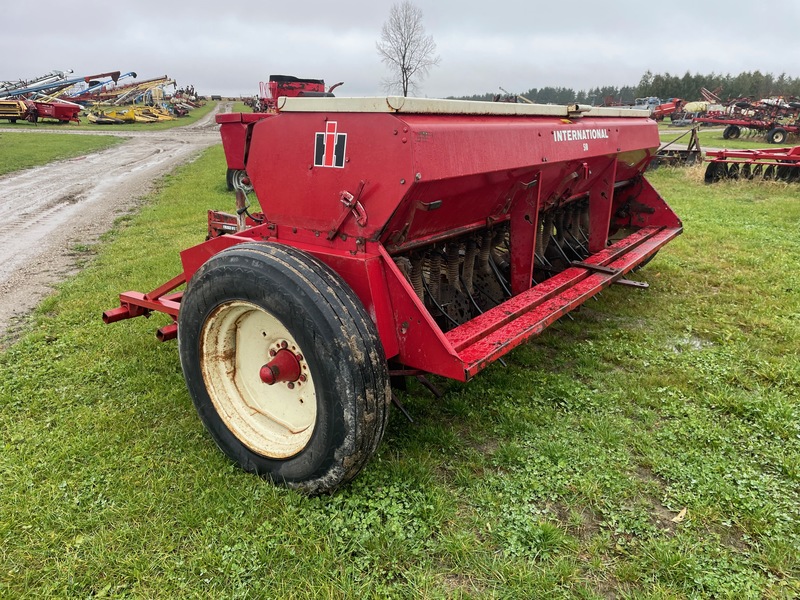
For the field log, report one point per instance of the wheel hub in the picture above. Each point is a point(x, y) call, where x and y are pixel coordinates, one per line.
point(284, 367)
point(270, 407)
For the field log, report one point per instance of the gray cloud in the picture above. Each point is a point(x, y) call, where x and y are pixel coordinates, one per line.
point(228, 47)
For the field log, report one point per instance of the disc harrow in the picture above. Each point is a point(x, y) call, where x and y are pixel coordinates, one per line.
point(773, 118)
point(782, 164)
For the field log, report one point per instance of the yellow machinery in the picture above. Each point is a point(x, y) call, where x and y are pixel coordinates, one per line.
point(13, 110)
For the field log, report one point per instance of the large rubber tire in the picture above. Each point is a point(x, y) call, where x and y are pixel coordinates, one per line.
point(778, 135)
point(255, 298)
point(229, 179)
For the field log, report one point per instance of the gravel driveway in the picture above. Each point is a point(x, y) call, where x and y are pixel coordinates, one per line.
point(46, 211)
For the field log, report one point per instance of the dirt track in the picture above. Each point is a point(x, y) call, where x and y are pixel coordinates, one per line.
point(46, 211)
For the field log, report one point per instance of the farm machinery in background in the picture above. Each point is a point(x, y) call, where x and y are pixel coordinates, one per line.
point(667, 109)
point(686, 111)
point(394, 237)
point(777, 117)
point(139, 102)
point(669, 154)
point(287, 86)
point(781, 164)
point(40, 98)
point(649, 104)
point(146, 101)
point(234, 126)
point(61, 97)
point(658, 109)
point(774, 118)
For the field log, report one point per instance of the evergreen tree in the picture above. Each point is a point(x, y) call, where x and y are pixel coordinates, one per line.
point(755, 85)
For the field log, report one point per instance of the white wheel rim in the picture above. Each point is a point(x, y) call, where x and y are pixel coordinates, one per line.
point(238, 181)
point(275, 421)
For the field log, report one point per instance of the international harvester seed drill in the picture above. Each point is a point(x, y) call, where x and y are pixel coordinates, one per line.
point(395, 236)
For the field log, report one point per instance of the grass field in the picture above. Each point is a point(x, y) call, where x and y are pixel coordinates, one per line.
point(241, 107)
point(188, 119)
point(21, 151)
point(648, 449)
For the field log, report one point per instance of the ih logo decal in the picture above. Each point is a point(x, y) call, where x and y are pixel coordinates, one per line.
point(329, 147)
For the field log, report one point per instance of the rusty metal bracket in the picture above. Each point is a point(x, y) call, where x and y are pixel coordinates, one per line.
point(611, 271)
point(352, 203)
point(595, 268)
point(643, 285)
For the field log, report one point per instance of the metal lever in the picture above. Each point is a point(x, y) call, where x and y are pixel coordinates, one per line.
point(353, 206)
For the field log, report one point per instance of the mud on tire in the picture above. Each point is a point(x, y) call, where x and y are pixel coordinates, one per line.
point(244, 305)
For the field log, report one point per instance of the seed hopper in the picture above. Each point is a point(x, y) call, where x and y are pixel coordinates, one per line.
point(395, 237)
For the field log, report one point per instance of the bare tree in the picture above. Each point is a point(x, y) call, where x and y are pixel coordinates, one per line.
point(405, 48)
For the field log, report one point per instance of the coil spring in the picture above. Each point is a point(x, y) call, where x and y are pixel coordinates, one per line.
point(468, 271)
point(453, 264)
point(416, 277)
point(543, 239)
point(404, 265)
point(435, 272)
point(499, 238)
point(575, 221)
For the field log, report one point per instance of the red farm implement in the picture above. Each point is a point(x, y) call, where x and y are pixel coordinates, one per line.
point(770, 163)
point(667, 109)
point(395, 237)
point(43, 97)
point(57, 110)
point(233, 130)
point(775, 132)
point(22, 109)
point(233, 126)
point(773, 118)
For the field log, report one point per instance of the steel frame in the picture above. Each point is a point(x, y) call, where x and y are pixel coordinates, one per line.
point(419, 177)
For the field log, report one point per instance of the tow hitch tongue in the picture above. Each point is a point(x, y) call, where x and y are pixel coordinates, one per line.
point(284, 366)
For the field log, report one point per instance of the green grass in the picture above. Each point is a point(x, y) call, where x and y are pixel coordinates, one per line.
point(188, 119)
point(21, 150)
point(241, 107)
point(558, 476)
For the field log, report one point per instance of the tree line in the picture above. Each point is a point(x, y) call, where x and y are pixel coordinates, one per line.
point(748, 84)
point(564, 95)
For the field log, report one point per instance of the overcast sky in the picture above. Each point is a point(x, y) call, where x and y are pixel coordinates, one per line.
point(228, 46)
